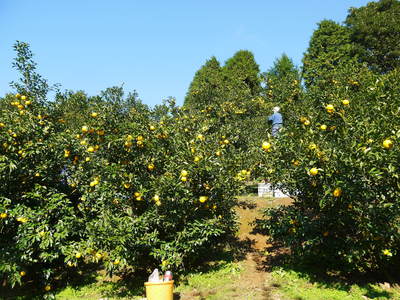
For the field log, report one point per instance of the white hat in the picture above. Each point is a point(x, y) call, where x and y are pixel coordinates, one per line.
point(276, 109)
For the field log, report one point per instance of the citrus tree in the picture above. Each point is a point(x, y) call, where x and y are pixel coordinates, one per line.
point(339, 162)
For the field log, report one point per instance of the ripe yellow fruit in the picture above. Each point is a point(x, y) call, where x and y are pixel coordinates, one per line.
point(47, 288)
point(184, 178)
point(22, 219)
point(312, 146)
point(196, 159)
point(226, 142)
point(139, 143)
point(3, 215)
point(90, 149)
point(23, 97)
point(313, 171)
point(67, 153)
point(296, 163)
point(323, 127)
point(139, 198)
point(20, 106)
point(330, 108)
point(85, 129)
point(94, 183)
point(98, 255)
point(70, 264)
point(42, 234)
point(87, 159)
point(345, 102)
point(184, 173)
point(152, 128)
point(156, 198)
point(200, 137)
point(140, 138)
point(116, 262)
point(2, 125)
point(266, 145)
point(151, 167)
point(306, 122)
point(94, 114)
point(337, 192)
point(100, 132)
point(83, 142)
point(22, 273)
point(17, 95)
point(203, 199)
point(37, 174)
point(127, 185)
point(387, 144)
point(128, 144)
point(137, 194)
point(28, 102)
point(218, 153)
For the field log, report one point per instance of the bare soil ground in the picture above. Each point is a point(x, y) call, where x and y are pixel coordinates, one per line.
point(252, 281)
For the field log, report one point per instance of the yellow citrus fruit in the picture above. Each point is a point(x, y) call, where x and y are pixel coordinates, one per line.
point(337, 192)
point(323, 127)
point(94, 114)
point(116, 262)
point(151, 167)
point(137, 194)
point(330, 108)
point(98, 255)
point(85, 128)
point(2, 125)
point(296, 163)
point(387, 144)
point(218, 153)
point(184, 178)
point(28, 102)
point(23, 97)
point(156, 198)
point(94, 183)
point(87, 159)
point(184, 173)
point(196, 159)
point(312, 146)
point(313, 171)
point(127, 185)
point(139, 138)
point(226, 142)
point(22, 273)
point(306, 122)
point(3, 215)
point(67, 153)
point(17, 95)
point(47, 288)
point(90, 149)
point(345, 102)
point(22, 219)
point(152, 128)
point(266, 145)
point(203, 199)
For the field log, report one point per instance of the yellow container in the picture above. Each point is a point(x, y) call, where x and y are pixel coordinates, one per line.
point(159, 290)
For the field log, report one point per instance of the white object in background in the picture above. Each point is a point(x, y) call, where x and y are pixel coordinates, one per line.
point(264, 189)
point(279, 194)
point(155, 276)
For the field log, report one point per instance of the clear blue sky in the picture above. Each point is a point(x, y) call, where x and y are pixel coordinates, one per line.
point(153, 47)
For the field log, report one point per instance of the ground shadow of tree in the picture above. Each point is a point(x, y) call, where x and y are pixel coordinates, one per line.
point(313, 271)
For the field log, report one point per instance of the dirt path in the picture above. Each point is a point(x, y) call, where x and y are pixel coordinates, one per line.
point(251, 282)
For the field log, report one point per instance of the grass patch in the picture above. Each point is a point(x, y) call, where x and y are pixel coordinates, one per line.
point(295, 285)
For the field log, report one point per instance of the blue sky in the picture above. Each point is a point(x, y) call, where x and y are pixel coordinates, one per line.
point(153, 47)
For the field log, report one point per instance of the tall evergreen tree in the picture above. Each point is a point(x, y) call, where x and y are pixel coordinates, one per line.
point(242, 72)
point(282, 81)
point(375, 30)
point(330, 45)
point(207, 85)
